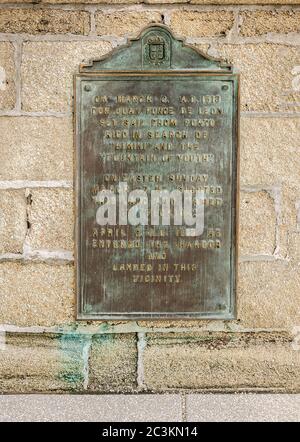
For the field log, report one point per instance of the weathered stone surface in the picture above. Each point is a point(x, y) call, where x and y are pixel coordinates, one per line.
point(47, 72)
point(193, 2)
point(100, 2)
point(179, 324)
point(268, 294)
point(221, 361)
point(7, 76)
point(243, 2)
point(43, 152)
point(36, 294)
point(262, 22)
point(264, 81)
point(51, 219)
point(202, 23)
point(159, 2)
point(113, 361)
point(13, 224)
point(266, 74)
point(40, 363)
point(290, 197)
point(40, 148)
point(282, 240)
point(257, 223)
point(43, 21)
point(122, 22)
point(294, 247)
point(269, 149)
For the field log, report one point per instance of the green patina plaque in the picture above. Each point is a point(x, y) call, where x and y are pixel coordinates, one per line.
point(156, 184)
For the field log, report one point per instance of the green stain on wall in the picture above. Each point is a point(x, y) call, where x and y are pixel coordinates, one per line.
point(71, 360)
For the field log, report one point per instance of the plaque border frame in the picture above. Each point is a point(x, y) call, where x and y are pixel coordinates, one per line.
point(110, 74)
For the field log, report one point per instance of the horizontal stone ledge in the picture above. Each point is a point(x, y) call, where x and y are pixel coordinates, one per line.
point(290, 39)
point(39, 256)
point(154, 2)
point(40, 363)
point(257, 188)
point(58, 255)
point(261, 258)
point(254, 114)
point(143, 327)
point(227, 362)
point(31, 362)
point(213, 340)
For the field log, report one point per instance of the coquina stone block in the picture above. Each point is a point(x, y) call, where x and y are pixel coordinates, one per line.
point(36, 148)
point(43, 21)
point(51, 217)
point(268, 151)
point(45, 363)
point(124, 22)
point(221, 362)
point(13, 225)
point(266, 72)
point(263, 22)
point(268, 295)
point(36, 294)
point(257, 224)
point(48, 69)
point(193, 23)
point(113, 363)
point(7, 76)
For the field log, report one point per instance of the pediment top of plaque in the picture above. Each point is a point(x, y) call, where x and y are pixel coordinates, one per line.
point(156, 48)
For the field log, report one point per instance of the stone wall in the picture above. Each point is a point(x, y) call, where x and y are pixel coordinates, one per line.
point(42, 347)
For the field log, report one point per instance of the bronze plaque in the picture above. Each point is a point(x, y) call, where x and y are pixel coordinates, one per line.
point(156, 135)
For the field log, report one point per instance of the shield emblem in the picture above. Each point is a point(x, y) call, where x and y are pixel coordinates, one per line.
point(156, 51)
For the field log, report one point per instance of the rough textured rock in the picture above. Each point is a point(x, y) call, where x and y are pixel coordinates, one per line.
point(262, 22)
point(51, 219)
point(199, 24)
point(267, 85)
point(47, 72)
point(43, 21)
point(13, 225)
point(41, 49)
point(36, 294)
point(7, 76)
point(268, 149)
point(268, 295)
point(43, 152)
point(113, 360)
point(41, 363)
point(224, 362)
point(122, 23)
point(257, 224)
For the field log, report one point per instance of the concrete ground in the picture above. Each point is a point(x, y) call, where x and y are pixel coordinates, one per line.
point(150, 407)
